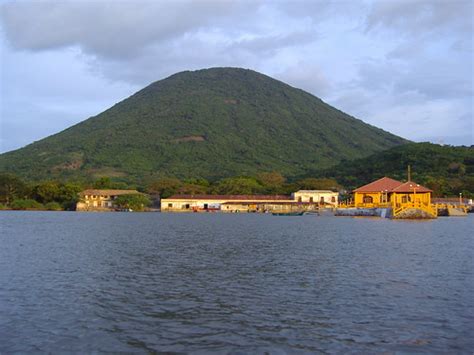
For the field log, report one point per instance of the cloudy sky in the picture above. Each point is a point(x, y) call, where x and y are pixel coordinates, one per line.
point(403, 65)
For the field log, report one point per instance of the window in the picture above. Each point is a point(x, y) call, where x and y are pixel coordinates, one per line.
point(300, 199)
point(170, 205)
point(333, 199)
point(187, 206)
point(322, 199)
point(311, 199)
point(368, 199)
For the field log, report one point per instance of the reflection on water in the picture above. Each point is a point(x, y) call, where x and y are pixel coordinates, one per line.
point(234, 283)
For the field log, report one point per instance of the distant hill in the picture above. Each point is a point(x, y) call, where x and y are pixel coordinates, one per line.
point(447, 170)
point(208, 123)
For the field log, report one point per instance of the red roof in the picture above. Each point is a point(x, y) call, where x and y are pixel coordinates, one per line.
point(280, 203)
point(411, 187)
point(383, 184)
point(230, 197)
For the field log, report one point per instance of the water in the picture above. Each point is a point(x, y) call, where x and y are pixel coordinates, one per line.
point(234, 283)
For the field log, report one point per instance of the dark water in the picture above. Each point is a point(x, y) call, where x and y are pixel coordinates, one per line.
point(234, 283)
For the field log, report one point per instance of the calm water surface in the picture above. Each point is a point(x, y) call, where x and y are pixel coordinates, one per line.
point(234, 283)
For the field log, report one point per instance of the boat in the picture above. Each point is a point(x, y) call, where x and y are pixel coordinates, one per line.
point(311, 213)
point(296, 213)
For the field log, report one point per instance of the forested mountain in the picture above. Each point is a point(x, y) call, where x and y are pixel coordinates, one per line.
point(447, 170)
point(208, 123)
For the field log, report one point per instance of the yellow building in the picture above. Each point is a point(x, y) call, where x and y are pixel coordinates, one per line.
point(387, 191)
point(411, 192)
point(101, 200)
point(376, 193)
point(300, 200)
point(403, 197)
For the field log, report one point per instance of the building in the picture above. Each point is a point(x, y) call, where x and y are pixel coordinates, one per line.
point(100, 200)
point(406, 199)
point(387, 191)
point(300, 200)
point(323, 197)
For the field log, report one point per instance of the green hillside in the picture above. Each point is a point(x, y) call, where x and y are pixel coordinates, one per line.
point(208, 123)
point(447, 170)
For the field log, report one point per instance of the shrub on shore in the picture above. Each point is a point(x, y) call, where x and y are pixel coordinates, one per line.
point(53, 206)
point(27, 204)
point(134, 202)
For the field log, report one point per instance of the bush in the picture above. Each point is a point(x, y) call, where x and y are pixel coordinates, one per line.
point(133, 202)
point(2, 207)
point(53, 206)
point(26, 205)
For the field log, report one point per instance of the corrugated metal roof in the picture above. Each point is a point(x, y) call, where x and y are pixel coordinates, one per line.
point(269, 203)
point(230, 197)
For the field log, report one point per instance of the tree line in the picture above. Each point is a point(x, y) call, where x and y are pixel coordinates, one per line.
point(16, 193)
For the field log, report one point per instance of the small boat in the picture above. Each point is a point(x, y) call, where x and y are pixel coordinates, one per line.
point(311, 213)
point(300, 213)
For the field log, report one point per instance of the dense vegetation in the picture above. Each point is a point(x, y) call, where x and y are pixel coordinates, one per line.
point(50, 195)
point(55, 195)
point(209, 124)
point(133, 202)
point(447, 170)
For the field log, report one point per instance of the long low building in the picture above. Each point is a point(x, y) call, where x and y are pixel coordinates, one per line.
point(300, 200)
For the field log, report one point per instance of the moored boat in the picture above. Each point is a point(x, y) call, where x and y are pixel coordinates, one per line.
point(296, 213)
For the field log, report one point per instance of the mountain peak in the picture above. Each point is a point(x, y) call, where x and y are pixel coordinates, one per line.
point(208, 123)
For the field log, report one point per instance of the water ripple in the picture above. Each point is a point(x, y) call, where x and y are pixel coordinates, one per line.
point(237, 284)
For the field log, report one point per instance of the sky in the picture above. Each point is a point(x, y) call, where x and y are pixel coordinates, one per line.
point(402, 65)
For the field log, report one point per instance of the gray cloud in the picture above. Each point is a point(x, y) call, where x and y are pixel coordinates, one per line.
point(417, 17)
point(272, 43)
point(307, 76)
point(110, 29)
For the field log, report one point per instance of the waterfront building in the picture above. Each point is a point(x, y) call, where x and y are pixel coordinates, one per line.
point(323, 197)
point(405, 199)
point(387, 191)
point(375, 193)
point(101, 200)
point(301, 200)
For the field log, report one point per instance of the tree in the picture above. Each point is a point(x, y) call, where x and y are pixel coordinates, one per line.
point(197, 181)
point(192, 189)
point(165, 187)
point(53, 191)
point(319, 184)
point(11, 187)
point(69, 195)
point(106, 183)
point(47, 191)
point(238, 186)
point(272, 181)
point(26, 204)
point(136, 202)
